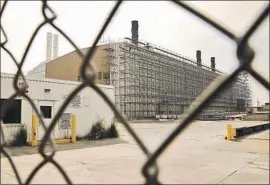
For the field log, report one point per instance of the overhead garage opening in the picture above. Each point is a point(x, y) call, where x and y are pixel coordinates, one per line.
point(13, 113)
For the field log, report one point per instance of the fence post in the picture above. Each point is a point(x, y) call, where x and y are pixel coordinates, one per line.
point(73, 129)
point(34, 130)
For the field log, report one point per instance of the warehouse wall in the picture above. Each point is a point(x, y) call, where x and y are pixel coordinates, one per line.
point(67, 67)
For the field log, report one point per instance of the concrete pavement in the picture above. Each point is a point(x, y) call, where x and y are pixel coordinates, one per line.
point(28, 150)
point(199, 155)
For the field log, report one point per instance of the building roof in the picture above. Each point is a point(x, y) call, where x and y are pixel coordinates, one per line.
point(8, 74)
point(50, 80)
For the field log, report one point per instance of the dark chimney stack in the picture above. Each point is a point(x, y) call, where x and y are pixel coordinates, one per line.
point(199, 58)
point(213, 64)
point(135, 32)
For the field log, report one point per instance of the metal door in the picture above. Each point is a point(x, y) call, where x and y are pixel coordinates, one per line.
point(47, 109)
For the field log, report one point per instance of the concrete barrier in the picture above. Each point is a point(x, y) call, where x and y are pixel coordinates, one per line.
point(242, 131)
point(249, 130)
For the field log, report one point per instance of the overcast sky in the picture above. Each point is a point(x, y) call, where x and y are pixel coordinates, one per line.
point(160, 23)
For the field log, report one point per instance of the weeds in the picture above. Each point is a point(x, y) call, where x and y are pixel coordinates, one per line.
point(20, 138)
point(79, 138)
point(112, 131)
point(99, 131)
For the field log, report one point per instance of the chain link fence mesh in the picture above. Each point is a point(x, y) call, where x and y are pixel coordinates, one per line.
point(245, 55)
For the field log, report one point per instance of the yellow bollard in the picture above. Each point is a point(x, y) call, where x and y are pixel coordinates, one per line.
point(233, 132)
point(34, 130)
point(229, 132)
point(73, 129)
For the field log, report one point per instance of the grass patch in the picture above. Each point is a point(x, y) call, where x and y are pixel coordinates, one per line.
point(20, 138)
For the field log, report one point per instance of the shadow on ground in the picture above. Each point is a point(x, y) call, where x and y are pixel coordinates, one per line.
point(28, 150)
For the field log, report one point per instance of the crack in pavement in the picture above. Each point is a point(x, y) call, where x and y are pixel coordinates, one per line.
point(7, 173)
point(262, 168)
point(81, 162)
point(221, 181)
point(254, 165)
point(251, 162)
point(232, 150)
point(190, 139)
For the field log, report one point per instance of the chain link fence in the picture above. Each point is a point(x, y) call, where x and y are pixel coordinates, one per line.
point(245, 55)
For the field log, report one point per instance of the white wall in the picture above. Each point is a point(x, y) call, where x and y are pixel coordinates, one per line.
point(38, 72)
point(10, 130)
point(92, 105)
point(265, 107)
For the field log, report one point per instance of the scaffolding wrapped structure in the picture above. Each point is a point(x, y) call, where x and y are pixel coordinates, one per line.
point(152, 82)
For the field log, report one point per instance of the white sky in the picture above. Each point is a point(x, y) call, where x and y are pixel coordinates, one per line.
point(160, 22)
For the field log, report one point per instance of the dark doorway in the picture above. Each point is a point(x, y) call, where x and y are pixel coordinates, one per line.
point(46, 111)
point(13, 113)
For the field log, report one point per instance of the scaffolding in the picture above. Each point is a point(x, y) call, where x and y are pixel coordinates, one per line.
point(152, 82)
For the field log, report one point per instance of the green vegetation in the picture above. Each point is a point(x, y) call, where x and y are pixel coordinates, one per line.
point(99, 131)
point(20, 138)
point(112, 131)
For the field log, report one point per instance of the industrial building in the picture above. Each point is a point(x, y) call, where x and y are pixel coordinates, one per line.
point(152, 82)
point(48, 96)
point(67, 67)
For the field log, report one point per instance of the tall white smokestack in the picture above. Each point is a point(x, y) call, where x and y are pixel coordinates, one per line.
point(49, 47)
point(55, 46)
